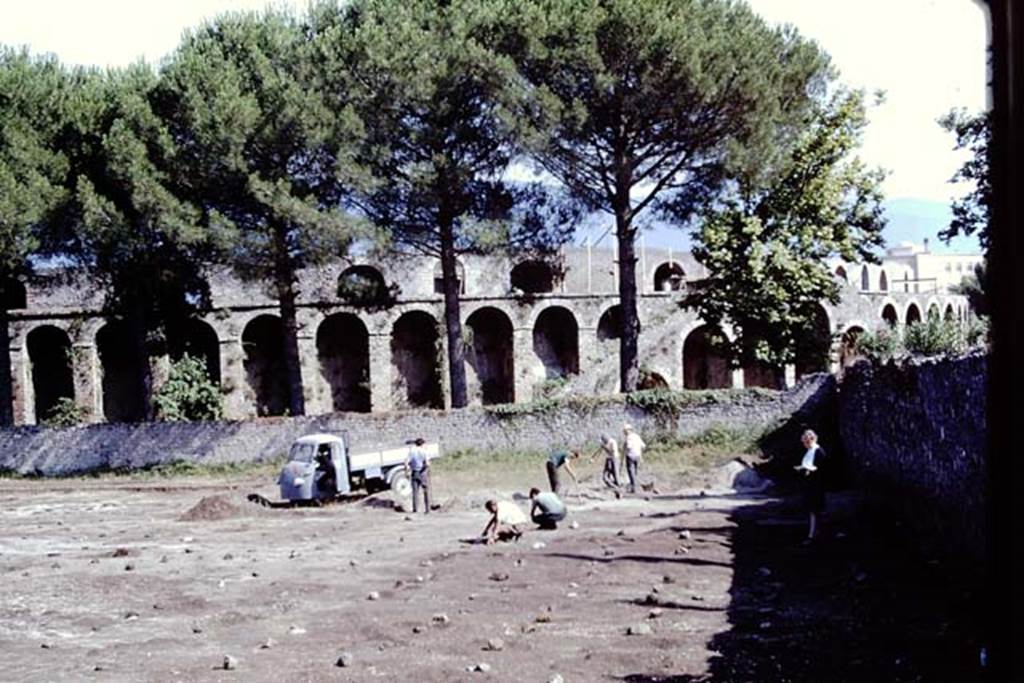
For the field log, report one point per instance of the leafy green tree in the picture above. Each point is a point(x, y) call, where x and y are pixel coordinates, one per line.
point(188, 394)
point(644, 107)
point(439, 107)
point(126, 217)
point(972, 211)
point(765, 243)
point(31, 170)
point(261, 149)
point(974, 286)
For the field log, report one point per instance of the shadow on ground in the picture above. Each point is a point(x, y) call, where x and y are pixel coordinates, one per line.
point(861, 605)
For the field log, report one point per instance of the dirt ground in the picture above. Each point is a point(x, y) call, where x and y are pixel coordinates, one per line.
point(125, 581)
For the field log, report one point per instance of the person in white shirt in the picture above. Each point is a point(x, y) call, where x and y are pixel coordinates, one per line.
point(813, 486)
point(610, 474)
point(505, 522)
point(417, 462)
point(634, 446)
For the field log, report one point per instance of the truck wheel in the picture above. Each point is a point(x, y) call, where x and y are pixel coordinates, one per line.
point(400, 485)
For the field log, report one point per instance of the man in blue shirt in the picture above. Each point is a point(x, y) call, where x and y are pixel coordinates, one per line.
point(418, 465)
point(547, 510)
point(557, 460)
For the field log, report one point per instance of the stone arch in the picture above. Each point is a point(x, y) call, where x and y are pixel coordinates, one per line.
point(913, 314)
point(556, 341)
point(415, 359)
point(841, 274)
point(814, 344)
point(890, 316)
point(950, 313)
point(343, 351)
point(704, 366)
point(865, 279)
point(883, 282)
point(491, 355)
point(49, 354)
point(124, 371)
point(933, 310)
point(669, 277)
point(533, 277)
point(609, 325)
point(265, 373)
point(460, 271)
point(362, 285)
point(200, 340)
point(848, 345)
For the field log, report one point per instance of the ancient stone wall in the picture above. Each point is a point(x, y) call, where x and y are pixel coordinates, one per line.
point(914, 435)
point(55, 452)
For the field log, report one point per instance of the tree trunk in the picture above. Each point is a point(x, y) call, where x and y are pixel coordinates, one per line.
point(284, 280)
point(6, 383)
point(138, 328)
point(629, 367)
point(452, 316)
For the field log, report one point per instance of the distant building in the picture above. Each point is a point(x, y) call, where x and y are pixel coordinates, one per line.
point(909, 268)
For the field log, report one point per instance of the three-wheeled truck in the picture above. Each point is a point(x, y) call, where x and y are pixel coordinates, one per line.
point(322, 467)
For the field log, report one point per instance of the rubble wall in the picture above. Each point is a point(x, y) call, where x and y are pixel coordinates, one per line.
point(915, 439)
point(545, 425)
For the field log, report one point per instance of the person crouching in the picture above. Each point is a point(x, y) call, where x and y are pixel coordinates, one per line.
point(547, 510)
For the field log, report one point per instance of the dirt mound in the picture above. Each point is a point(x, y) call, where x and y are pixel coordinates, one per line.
point(212, 508)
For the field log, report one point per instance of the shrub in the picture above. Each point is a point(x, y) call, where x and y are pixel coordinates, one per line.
point(65, 413)
point(977, 332)
point(188, 394)
point(879, 346)
point(934, 337)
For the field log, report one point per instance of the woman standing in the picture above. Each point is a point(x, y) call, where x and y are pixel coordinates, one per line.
point(813, 486)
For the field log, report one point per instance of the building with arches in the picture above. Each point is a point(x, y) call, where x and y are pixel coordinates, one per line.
point(371, 335)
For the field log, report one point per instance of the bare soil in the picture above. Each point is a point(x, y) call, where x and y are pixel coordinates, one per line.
point(126, 581)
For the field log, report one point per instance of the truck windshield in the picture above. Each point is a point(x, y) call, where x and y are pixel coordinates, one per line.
point(302, 452)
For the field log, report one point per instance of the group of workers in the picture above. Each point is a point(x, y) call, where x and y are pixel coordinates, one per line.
point(506, 519)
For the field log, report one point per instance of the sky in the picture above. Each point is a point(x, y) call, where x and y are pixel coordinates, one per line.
point(927, 55)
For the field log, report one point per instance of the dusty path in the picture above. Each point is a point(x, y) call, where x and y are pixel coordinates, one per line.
point(103, 581)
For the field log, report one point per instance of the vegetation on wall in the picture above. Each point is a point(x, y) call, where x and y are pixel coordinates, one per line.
point(188, 394)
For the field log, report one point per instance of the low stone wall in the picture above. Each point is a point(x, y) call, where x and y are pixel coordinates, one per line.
point(914, 436)
point(56, 452)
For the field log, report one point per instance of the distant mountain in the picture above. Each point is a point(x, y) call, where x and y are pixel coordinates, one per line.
point(909, 220)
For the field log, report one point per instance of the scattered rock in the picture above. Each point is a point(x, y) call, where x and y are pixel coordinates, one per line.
point(557, 678)
point(482, 667)
point(353, 563)
point(228, 556)
point(230, 663)
point(417, 629)
point(543, 619)
point(267, 644)
point(498, 576)
point(685, 533)
point(697, 598)
point(130, 616)
point(374, 595)
point(574, 524)
point(419, 579)
point(296, 630)
point(764, 571)
point(164, 559)
point(640, 629)
point(681, 550)
point(539, 544)
point(196, 628)
point(608, 552)
point(124, 552)
point(45, 646)
point(495, 645)
point(345, 659)
point(441, 619)
point(668, 579)
point(129, 567)
point(655, 613)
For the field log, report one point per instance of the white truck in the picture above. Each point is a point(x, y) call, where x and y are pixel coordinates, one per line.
point(322, 467)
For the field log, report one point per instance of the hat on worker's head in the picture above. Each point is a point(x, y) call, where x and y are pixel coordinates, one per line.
point(627, 427)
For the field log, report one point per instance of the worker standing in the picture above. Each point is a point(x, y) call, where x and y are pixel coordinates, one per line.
point(418, 464)
point(634, 446)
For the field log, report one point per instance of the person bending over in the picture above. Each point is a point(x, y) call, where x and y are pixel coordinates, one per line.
point(504, 523)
